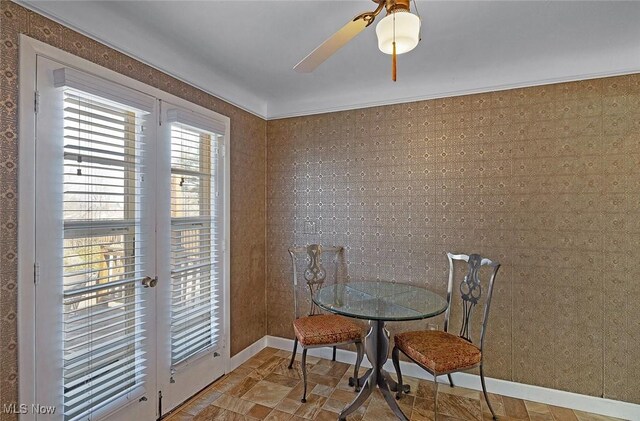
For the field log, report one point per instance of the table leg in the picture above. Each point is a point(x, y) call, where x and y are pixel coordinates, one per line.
point(393, 385)
point(361, 380)
point(377, 348)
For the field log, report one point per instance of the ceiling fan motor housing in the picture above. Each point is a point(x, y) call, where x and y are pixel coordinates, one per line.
point(396, 5)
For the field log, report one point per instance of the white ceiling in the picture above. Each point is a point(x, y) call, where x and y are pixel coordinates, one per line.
point(244, 51)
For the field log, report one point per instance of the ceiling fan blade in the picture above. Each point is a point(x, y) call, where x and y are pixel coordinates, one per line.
point(330, 46)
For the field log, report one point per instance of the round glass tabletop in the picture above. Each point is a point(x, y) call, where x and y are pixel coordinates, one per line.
point(380, 300)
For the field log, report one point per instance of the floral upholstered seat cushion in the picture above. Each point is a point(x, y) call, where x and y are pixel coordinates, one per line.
point(439, 351)
point(325, 329)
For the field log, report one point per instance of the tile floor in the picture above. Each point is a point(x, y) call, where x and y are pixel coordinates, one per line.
point(264, 388)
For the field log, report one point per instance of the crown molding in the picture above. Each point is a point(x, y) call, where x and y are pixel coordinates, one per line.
point(227, 91)
point(202, 76)
point(328, 106)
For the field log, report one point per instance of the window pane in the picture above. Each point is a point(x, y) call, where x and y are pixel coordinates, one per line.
point(102, 308)
point(193, 238)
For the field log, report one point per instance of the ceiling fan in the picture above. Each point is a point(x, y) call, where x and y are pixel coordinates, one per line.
point(398, 32)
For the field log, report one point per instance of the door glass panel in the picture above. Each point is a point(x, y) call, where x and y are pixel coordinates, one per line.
point(103, 324)
point(194, 254)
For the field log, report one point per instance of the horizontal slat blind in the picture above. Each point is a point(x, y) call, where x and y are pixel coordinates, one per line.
point(103, 328)
point(195, 250)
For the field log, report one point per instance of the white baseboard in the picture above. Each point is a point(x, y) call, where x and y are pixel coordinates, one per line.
point(602, 406)
point(244, 355)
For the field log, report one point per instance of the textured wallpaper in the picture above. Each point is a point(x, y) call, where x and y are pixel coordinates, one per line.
point(248, 161)
point(545, 180)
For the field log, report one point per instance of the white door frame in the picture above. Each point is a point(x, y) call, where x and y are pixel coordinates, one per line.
point(29, 49)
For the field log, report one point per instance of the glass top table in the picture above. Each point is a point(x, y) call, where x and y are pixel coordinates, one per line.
point(378, 301)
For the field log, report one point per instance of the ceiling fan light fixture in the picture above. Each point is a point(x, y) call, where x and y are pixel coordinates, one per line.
point(407, 32)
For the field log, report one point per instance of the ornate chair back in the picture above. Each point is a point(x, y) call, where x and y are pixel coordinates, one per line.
point(471, 292)
point(310, 260)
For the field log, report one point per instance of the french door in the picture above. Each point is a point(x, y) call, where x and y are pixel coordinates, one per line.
point(129, 249)
point(193, 244)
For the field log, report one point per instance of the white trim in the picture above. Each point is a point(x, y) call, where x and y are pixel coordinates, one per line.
point(26, 232)
point(53, 53)
point(608, 407)
point(226, 249)
point(195, 120)
point(244, 355)
point(273, 110)
point(72, 78)
point(29, 50)
point(329, 106)
point(230, 93)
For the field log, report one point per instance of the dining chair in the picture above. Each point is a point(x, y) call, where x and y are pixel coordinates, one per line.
point(315, 329)
point(441, 352)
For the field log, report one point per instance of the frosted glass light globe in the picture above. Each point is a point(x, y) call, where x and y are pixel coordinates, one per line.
point(407, 32)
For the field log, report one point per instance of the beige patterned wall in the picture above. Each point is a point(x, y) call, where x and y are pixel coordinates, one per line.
point(248, 160)
point(545, 179)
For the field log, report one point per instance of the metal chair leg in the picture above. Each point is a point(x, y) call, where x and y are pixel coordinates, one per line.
point(395, 356)
point(304, 375)
point(360, 353)
point(293, 355)
point(334, 354)
point(435, 397)
point(450, 380)
point(486, 395)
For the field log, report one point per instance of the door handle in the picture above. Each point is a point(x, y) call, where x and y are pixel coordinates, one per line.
point(149, 282)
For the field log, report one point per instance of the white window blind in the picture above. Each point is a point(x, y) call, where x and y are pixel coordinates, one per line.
point(103, 329)
point(196, 254)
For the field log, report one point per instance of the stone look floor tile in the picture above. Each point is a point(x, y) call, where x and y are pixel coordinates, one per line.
point(289, 405)
point(310, 409)
point(296, 392)
point(322, 390)
point(282, 380)
point(243, 371)
point(227, 382)
point(267, 393)
point(459, 407)
point(496, 404)
point(200, 403)
point(264, 388)
point(418, 414)
point(585, 416)
point(424, 390)
point(459, 391)
point(242, 387)
point(345, 396)
point(259, 412)
point(268, 366)
point(233, 404)
point(378, 410)
point(323, 380)
point(310, 360)
point(423, 404)
point(536, 416)
point(324, 415)
point(214, 413)
point(537, 407)
point(515, 408)
point(562, 414)
point(276, 415)
point(333, 405)
point(181, 416)
point(283, 353)
point(343, 383)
